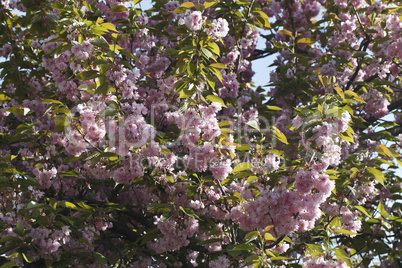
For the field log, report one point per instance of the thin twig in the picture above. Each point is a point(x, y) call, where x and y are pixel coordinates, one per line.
point(241, 36)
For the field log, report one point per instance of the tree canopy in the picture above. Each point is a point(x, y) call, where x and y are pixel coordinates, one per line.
point(137, 137)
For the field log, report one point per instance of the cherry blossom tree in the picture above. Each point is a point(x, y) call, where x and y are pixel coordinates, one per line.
point(135, 137)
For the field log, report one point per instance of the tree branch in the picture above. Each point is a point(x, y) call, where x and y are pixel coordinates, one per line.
point(260, 54)
point(393, 106)
point(241, 35)
point(394, 131)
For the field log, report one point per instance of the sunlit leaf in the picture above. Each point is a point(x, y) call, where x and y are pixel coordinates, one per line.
point(269, 237)
point(187, 5)
point(219, 65)
point(306, 41)
point(378, 175)
point(363, 210)
point(217, 99)
point(285, 32)
point(280, 136)
point(242, 166)
point(343, 231)
point(209, 3)
point(382, 211)
point(18, 110)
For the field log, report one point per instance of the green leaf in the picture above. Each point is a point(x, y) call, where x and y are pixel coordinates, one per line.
point(84, 206)
point(243, 147)
point(378, 175)
point(217, 73)
point(4, 97)
point(251, 179)
point(100, 42)
point(191, 68)
point(170, 179)
point(254, 124)
point(346, 136)
point(210, 80)
point(280, 136)
point(269, 237)
point(219, 65)
point(354, 95)
point(209, 3)
point(115, 206)
point(210, 241)
point(19, 229)
point(382, 149)
point(28, 259)
point(62, 123)
point(285, 32)
point(150, 235)
point(183, 95)
point(70, 173)
point(100, 258)
point(214, 48)
point(342, 255)
point(18, 110)
point(87, 75)
point(340, 92)
point(189, 90)
point(280, 44)
point(243, 174)
point(305, 41)
point(363, 210)
point(234, 251)
point(343, 231)
point(9, 238)
point(68, 205)
point(359, 54)
point(8, 265)
point(128, 54)
point(225, 123)
point(52, 101)
point(33, 204)
point(242, 166)
point(5, 249)
point(109, 111)
point(382, 210)
point(280, 258)
point(187, 5)
point(72, 159)
point(109, 26)
point(251, 236)
point(336, 222)
point(217, 99)
point(314, 247)
point(206, 52)
point(189, 212)
point(118, 9)
point(103, 89)
point(323, 80)
point(264, 17)
point(274, 108)
point(253, 259)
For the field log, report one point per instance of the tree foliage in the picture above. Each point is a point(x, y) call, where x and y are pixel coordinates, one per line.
point(137, 138)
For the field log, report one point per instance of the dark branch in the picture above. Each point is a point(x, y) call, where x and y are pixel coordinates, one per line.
point(394, 131)
point(393, 106)
point(260, 54)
